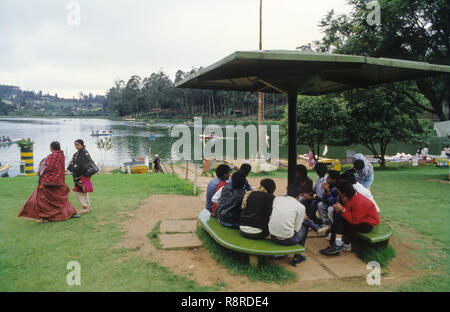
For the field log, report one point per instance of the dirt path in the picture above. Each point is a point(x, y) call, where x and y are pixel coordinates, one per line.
point(199, 266)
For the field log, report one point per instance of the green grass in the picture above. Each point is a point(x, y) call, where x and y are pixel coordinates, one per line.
point(383, 255)
point(153, 235)
point(238, 263)
point(33, 257)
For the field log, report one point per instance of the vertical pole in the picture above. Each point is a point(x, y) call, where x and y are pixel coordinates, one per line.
point(195, 178)
point(292, 136)
point(260, 95)
point(187, 168)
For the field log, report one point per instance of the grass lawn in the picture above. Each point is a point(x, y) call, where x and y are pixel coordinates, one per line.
point(33, 257)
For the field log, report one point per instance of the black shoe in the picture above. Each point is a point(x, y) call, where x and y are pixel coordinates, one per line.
point(334, 249)
point(298, 259)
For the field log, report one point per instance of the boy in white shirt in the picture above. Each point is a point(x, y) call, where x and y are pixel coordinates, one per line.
point(288, 224)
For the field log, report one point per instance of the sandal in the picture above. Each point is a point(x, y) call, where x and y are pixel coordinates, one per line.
point(41, 221)
point(84, 211)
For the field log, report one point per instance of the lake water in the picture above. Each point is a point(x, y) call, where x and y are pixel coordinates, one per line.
point(130, 140)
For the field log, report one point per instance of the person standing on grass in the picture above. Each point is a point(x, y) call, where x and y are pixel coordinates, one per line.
point(80, 166)
point(357, 214)
point(50, 200)
point(364, 170)
point(157, 164)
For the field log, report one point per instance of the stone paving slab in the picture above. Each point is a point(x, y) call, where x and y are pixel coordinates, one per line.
point(346, 264)
point(179, 241)
point(311, 269)
point(178, 226)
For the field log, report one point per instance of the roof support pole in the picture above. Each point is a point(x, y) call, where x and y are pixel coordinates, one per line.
point(292, 136)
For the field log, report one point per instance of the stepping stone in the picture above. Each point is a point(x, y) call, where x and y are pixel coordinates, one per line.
point(311, 269)
point(179, 241)
point(344, 265)
point(178, 226)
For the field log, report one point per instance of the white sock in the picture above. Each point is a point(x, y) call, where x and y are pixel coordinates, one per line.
point(338, 241)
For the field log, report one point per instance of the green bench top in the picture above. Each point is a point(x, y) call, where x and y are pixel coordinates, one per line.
point(232, 239)
point(380, 233)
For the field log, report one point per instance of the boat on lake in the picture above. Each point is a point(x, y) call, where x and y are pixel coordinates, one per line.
point(103, 133)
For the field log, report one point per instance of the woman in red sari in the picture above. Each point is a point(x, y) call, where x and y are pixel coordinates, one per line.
point(50, 200)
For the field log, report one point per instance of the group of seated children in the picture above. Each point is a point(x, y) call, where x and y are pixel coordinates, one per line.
point(338, 202)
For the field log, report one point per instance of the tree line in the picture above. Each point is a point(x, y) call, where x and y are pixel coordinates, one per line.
point(156, 97)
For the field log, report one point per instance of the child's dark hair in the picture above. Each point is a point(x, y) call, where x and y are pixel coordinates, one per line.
point(333, 174)
point(294, 190)
point(238, 179)
point(55, 146)
point(358, 164)
point(222, 170)
point(246, 168)
point(269, 185)
point(321, 169)
point(302, 171)
point(346, 187)
point(349, 175)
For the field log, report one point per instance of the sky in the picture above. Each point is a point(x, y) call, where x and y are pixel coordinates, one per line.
point(65, 47)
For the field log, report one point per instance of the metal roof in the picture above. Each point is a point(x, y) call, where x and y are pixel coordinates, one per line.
point(309, 73)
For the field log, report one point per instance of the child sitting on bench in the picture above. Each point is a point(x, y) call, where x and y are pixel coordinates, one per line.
point(228, 208)
point(357, 214)
point(288, 224)
point(256, 211)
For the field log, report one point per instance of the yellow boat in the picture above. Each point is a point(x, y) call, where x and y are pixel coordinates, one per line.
point(139, 168)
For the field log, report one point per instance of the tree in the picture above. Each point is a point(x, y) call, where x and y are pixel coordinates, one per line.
point(417, 30)
point(320, 120)
point(382, 115)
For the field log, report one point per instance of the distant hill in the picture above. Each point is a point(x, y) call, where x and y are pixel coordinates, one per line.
point(16, 102)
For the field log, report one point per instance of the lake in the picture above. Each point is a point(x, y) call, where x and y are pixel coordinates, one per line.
point(130, 140)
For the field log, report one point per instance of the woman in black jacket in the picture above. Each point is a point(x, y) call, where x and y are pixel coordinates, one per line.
point(82, 167)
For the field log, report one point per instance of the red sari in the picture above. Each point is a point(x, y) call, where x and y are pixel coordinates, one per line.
point(50, 200)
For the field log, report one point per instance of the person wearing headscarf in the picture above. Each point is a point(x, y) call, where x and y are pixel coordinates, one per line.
point(364, 170)
point(50, 200)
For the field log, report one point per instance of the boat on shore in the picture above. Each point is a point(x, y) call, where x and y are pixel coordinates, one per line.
point(9, 142)
point(4, 170)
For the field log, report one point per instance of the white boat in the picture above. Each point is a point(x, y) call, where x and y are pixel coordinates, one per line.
point(4, 170)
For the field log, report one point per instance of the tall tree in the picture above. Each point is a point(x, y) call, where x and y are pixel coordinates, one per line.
point(375, 123)
point(417, 30)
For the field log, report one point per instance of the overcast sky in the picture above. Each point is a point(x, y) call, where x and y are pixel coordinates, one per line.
point(40, 50)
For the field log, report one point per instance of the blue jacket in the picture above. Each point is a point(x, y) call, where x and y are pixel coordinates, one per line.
point(210, 191)
point(331, 198)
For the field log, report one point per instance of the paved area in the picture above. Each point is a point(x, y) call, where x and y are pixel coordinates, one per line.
point(316, 267)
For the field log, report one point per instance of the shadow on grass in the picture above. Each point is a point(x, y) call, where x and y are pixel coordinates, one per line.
point(238, 263)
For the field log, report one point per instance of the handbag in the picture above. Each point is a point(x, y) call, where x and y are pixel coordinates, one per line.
point(91, 170)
